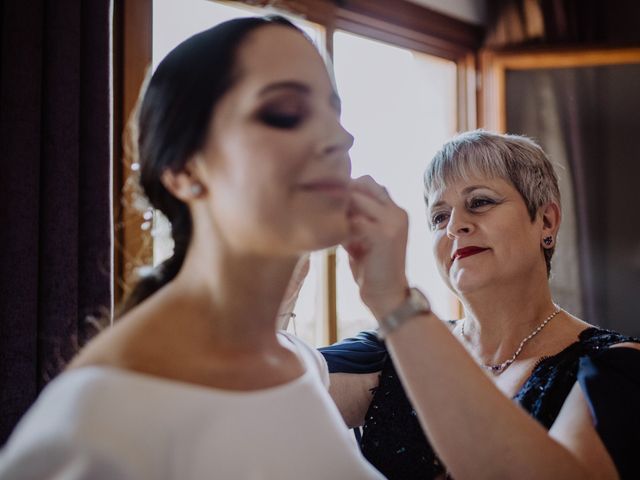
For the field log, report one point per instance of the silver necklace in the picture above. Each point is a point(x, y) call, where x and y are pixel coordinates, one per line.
point(497, 369)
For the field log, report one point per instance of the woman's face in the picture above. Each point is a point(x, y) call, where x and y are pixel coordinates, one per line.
point(276, 164)
point(483, 235)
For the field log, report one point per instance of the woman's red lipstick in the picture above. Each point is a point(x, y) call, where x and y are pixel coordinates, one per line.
point(467, 252)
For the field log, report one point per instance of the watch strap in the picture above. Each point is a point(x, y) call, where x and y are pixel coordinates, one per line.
point(415, 304)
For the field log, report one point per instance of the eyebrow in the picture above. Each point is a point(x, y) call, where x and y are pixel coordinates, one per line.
point(302, 88)
point(465, 191)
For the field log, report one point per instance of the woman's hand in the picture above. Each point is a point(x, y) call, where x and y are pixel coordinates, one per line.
point(377, 246)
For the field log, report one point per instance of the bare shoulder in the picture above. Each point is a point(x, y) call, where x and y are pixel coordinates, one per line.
point(117, 344)
point(104, 349)
point(574, 324)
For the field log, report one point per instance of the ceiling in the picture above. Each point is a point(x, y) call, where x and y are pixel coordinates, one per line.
point(473, 11)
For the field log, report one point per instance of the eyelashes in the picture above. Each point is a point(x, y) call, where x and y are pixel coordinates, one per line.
point(281, 120)
point(285, 113)
point(436, 220)
point(473, 205)
point(480, 202)
point(288, 112)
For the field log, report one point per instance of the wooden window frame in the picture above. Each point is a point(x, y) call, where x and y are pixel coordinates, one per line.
point(400, 23)
point(132, 47)
point(494, 65)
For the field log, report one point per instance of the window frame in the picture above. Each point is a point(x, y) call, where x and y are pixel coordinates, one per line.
point(132, 47)
point(494, 65)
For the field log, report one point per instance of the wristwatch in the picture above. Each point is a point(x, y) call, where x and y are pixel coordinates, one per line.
point(415, 304)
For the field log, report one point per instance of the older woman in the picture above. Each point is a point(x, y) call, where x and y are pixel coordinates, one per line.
point(519, 388)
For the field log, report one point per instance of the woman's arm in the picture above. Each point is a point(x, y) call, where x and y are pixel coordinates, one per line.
point(354, 365)
point(352, 393)
point(575, 431)
point(479, 432)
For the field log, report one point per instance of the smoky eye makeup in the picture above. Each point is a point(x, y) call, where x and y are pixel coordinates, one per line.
point(283, 114)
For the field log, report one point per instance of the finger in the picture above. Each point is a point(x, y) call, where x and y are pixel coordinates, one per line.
point(361, 225)
point(367, 185)
point(363, 204)
point(356, 248)
point(359, 241)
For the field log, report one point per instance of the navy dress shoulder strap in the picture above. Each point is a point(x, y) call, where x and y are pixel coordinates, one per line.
point(364, 353)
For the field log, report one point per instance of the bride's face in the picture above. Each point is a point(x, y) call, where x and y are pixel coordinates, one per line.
point(276, 164)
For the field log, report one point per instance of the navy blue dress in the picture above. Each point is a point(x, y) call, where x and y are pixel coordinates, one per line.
point(393, 441)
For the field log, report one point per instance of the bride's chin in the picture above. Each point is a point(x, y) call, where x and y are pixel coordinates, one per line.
point(332, 240)
point(332, 235)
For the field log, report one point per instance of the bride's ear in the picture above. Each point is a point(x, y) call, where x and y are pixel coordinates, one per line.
point(184, 185)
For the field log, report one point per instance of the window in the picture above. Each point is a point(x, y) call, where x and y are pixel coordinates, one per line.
point(401, 106)
point(404, 91)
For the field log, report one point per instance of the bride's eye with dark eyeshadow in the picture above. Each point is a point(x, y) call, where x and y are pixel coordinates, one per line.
point(281, 120)
point(283, 115)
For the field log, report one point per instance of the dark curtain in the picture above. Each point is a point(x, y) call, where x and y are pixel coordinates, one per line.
point(55, 189)
point(579, 100)
point(598, 124)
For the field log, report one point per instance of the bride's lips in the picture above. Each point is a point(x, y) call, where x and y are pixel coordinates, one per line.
point(467, 252)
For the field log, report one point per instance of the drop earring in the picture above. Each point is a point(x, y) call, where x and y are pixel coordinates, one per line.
point(196, 190)
point(548, 241)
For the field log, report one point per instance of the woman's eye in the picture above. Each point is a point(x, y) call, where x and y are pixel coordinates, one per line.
point(281, 120)
point(438, 219)
point(480, 202)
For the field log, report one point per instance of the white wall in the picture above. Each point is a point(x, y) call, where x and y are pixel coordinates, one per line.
point(473, 11)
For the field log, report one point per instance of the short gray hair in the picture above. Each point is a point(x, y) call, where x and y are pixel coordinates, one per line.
point(514, 158)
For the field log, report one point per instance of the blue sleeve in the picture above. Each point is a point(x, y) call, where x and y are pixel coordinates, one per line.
point(364, 353)
point(610, 381)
